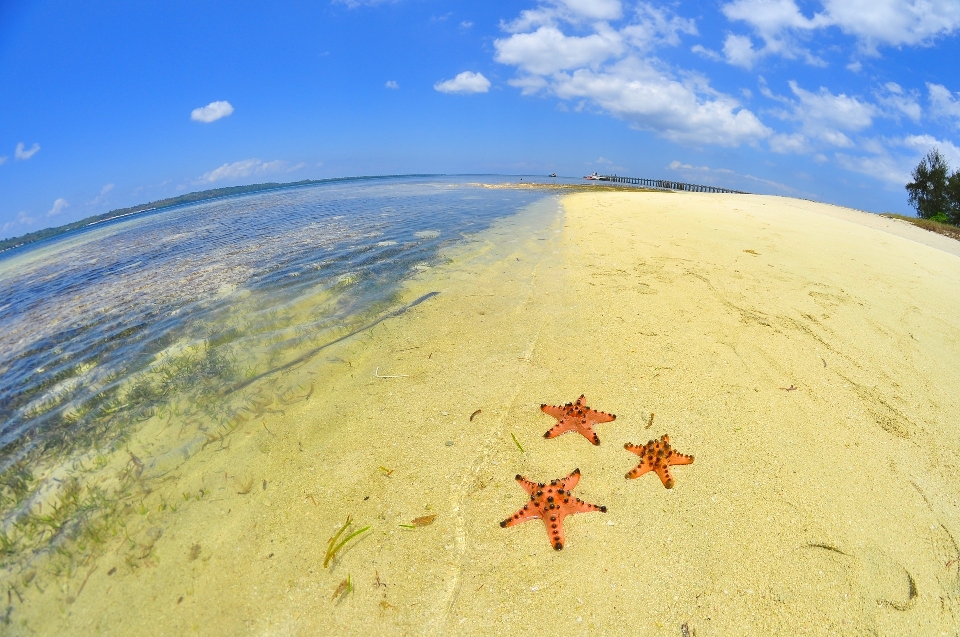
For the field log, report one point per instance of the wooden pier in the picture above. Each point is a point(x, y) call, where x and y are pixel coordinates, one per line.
point(663, 184)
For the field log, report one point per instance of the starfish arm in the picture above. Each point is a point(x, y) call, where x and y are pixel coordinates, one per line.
point(587, 432)
point(602, 416)
point(526, 485)
point(579, 506)
point(571, 480)
point(664, 472)
point(679, 458)
point(639, 470)
point(553, 410)
point(559, 428)
point(525, 514)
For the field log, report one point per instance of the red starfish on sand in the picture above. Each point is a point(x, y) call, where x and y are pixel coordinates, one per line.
point(576, 417)
point(551, 503)
point(657, 456)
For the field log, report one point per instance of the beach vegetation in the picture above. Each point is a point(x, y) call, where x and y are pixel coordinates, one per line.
point(935, 192)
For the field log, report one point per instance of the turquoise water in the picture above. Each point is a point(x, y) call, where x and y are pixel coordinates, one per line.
point(165, 316)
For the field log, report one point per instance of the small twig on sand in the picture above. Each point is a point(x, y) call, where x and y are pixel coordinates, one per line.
point(378, 375)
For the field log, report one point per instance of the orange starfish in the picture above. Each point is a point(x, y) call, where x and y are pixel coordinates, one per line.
point(576, 417)
point(657, 455)
point(551, 503)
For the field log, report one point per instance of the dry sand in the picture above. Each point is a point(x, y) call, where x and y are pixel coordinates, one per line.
point(805, 356)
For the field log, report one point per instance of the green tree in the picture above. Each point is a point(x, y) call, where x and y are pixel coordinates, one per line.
point(927, 193)
point(953, 196)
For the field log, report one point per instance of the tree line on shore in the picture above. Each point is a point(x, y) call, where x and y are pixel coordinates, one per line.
point(935, 192)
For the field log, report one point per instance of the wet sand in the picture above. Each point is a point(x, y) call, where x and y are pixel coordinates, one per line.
point(806, 359)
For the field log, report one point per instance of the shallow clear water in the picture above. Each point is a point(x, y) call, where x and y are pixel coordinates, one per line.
point(166, 317)
point(84, 313)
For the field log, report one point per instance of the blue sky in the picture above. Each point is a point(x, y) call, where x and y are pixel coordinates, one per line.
point(110, 104)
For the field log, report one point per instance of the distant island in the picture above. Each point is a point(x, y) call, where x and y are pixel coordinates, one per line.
point(203, 195)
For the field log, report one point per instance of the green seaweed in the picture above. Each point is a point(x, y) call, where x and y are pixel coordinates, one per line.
point(333, 546)
point(517, 442)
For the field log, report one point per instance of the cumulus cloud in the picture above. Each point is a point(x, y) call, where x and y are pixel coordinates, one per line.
point(738, 50)
point(466, 82)
point(593, 9)
point(547, 50)
point(392, 84)
point(943, 103)
point(211, 112)
point(823, 117)
point(557, 51)
point(24, 155)
point(58, 207)
point(782, 26)
point(246, 168)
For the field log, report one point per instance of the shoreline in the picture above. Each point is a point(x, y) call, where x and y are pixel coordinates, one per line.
point(804, 360)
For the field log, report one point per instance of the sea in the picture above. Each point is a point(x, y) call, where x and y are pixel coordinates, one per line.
point(164, 316)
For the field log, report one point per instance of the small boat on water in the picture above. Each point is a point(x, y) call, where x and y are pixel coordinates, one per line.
point(552, 175)
point(594, 176)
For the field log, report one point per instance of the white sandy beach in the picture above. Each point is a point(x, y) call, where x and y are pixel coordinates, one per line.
point(806, 355)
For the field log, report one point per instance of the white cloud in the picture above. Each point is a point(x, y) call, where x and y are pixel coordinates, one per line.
point(653, 26)
point(466, 24)
point(211, 112)
point(892, 160)
point(793, 143)
point(943, 103)
point(353, 4)
point(23, 219)
point(245, 168)
point(702, 51)
point(24, 155)
point(893, 22)
point(547, 50)
point(782, 25)
point(466, 82)
point(699, 172)
point(739, 51)
point(897, 102)
point(822, 116)
point(828, 110)
point(58, 207)
point(103, 194)
point(552, 12)
point(638, 92)
point(612, 69)
point(392, 84)
point(593, 9)
point(3, 160)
